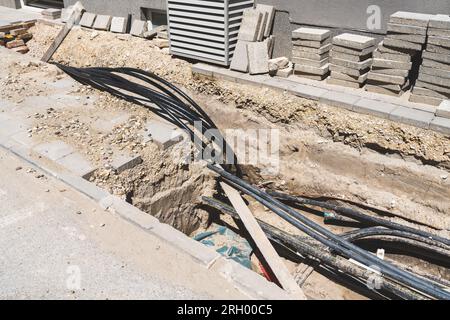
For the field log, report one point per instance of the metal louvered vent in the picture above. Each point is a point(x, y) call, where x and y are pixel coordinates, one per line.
point(205, 30)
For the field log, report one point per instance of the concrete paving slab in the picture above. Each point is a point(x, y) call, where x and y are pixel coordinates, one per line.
point(12, 125)
point(250, 25)
point(262, 26)
point(163, 134)
point(441, 124)
point(353, 41)
point(435, 64)
point(310, 55)
point(258, 58)
point(354, 52)
point(313, 70)
point(122, 162)
point(391, 56)
point(311, 63)
point(391, 72)
point(443, 58)
point(311, 43)
point(425, 100)
point(349, 71)
point(440, 21)
point(77, 164)
point(53, 150)
point(138, 28)
point(406, 29)
point(439, 41)
point(270, 10)
point(363, 65)
point(385, 78)
point(339, 99)
point(374, 107)
point(434, 80)
point(380, 90)
point(306, 91)
point(311, 76)
point(87, 20)
point(346, 77)
point(438, 32)
point(391, 64)
point(118, 25)
point(443, 110)
point(322, 50)
point(411, 19)
point(435, 72)
point(108, 124)
point(413, 117)
point(429, 93)
point(414, 38)
point(402, 44)
point(240, 57)
point(437, 49)
point(349, 57)
point(102, 22)
point(344, 83)
point(313, 34)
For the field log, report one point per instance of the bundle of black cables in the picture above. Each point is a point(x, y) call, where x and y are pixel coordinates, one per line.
point(172, 104)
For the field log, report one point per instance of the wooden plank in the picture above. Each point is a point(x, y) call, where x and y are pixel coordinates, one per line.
point(76, 15)
point(267, 250)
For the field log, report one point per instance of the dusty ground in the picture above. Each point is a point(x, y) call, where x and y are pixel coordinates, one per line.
point(324, 151)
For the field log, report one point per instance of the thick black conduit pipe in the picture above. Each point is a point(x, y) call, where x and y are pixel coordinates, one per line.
point(357, 215)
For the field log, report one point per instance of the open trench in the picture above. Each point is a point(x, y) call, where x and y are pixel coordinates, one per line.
point(321, 162)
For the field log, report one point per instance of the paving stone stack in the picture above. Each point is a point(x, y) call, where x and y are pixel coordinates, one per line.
point(351, 59)
point(397, 59)
point(433, 84)
point(310, 52)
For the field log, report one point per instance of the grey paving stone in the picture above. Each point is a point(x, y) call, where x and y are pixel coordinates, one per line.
point(435, 72)
point(311, 63)
point(258, 58)
point(393, 50)
point(443, 109)
point(439, 41)
point(311, 43)
point(374, 107)
point(84, 186)
point(66, 13)
point(240, 57)
point(163, 134)
point(434, 80)
point(440, 21)
point(438, 32)
point(250, 25)
point(77, 164)
point(344, 83)
point(310, 55)
point(353, 41)
point(102, 22)
point(413, 117)
point(312, 34)
point(411, 19)
point(443, 58)
point(391, 56)
point(437, 49)
point(122, 162)
point(313, 70)
point(270, 10)
point(425, 100)
point(380, 90)
point(402, 44)
point(25, 139)
point(129, 212)
point(138, 28)
point(392, 72)
point(441, 124)
point(386, 78)
point(12, 126)
point(306, 91)
point(339, 99)
point(349, 57)
point(430, 93)
point(107, 124)
point(406, 29)
point(53, 150)
point(391, 64)
point(431, 86)
point(87, 20)
point(203, 69)
point(118, 25)
point(346, 77)
point(351, 64)
point(349, 71)
point(386, 85)
point(262, 26)
point(355, 52)
point(311, 76)
point(321, 50)
point(435, 64)
point(415, 38)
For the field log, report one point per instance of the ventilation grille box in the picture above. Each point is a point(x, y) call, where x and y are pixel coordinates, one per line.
point(205, 30)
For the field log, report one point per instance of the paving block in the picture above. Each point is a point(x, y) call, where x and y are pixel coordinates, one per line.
point(354, 52)
point(349, 57)
point(163, 134)
point(344, 83)
point(380, 90)
point(250, 25)
point(306, 91)
point(391, 56)
point(425, 100)
point(349, 71)
point(434, 80)
point(339, 99)
point(203, 69)
point(87, 20)
point(411, 116)
point(354, 41)
point(270, 10)
point(66, 13)
point(322, 50)
point(240, 57)
point(129, 212)
point(310, 55)
point(262, 26)
point(313, 34)
point(386, 85)
point(435, 72)
point(441, 124)
point(385, 78)
point(311, 43)
point(415, 38)
point(406, 29)
point(391, 64)
point(10, 126)
point(402, 44)
point(308, 62)
point(435, 64)
point(102, 22)
point(438, 32)
point(258, 58)
point(346, 77)
point(437, 49)
point(431, 86)
point(440, 21)
point(311, 76)
point(77, 164)
point(443, 109)
point(122, 162)
point(53, 150)
point(363, 65)
point(374, 107)
point(391, 72)
point(411, 19)
point(138, 28)
point(443, 58)
point(313, 70)
point(429, 93)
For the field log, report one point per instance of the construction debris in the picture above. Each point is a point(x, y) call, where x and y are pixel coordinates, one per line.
point(15, 36)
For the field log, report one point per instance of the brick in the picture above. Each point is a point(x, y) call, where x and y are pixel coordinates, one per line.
point(430, 93)
point(443, 109)
point(349, 71)
point(353, 41)
point(380, 90)
point(406, 29)
point(374, 107)
point(138, 28)
point(312, 34)
point(346, 77)
point(87, 20)
point(391, 72)
point(308, 62)
point(102, 22)
point(411, 116)
point(313, 70)
point(163, 134)
point(250, 25)
point(54, 150)
point(411, 19)
point(311, 44)
point(391, 64)
point(440, 21)
point(441, 124)
point(439, 41)
point(270, 10)
point(391, 56)
point(118, 25)
point(15, 44)
point(122, 162)
point(349, 57)
point(339, 99)
point(424, 100)
point(386, 78)
point(326, 48)
point(402, 44)
point(344, 83)
point(355, 52)
point(77, 164)
point(258, 58)
point(351, 64)
point(240, 57)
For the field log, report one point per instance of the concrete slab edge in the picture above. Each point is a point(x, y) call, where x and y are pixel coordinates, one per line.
point(246, 281)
